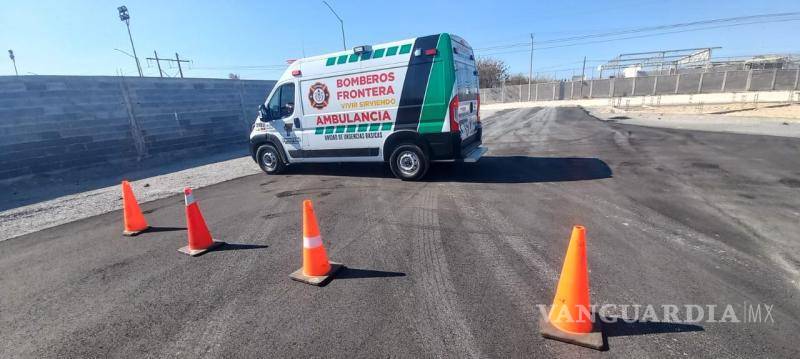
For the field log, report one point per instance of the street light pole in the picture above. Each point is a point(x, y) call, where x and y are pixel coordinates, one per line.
point(341, 22)
point(124, 16)
point(11, 55)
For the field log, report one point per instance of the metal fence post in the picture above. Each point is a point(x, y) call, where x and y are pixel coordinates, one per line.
point(633, 87)
point(536, 90)
point(796, 77)
point(655, 85)
point(503, 92)
point(774, 77)
point(554, 90)
point(700, 84)
point(520, 93)
point(529, 89)
point(749, 79)
point(591, 86)
point(572, 90)
point(611, 87)
point(677, 82)
point(724, 81)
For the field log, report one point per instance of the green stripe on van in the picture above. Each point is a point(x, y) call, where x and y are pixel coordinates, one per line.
point(375, 54)
point(362, 127)
point(440, 89)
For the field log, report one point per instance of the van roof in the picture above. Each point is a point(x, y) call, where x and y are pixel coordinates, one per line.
point(298, 64)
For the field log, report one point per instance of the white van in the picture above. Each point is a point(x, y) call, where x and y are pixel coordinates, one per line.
point(407, 102)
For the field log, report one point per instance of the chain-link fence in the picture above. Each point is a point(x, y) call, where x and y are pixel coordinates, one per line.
point(688, 83)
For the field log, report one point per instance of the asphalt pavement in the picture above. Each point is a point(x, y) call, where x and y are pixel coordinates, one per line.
point(453, 266)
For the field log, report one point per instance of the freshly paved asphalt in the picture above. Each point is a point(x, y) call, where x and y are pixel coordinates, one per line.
point(453, 266)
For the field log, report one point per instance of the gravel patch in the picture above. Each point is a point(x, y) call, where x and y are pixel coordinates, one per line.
point(35, 217)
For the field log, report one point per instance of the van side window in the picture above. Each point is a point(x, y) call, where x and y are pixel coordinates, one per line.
point(281, 105)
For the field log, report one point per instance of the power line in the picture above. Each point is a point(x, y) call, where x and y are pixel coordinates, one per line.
point(641, 36)
point(652, 28)
point(559, 68)
point(242, 66)
point(245, 67)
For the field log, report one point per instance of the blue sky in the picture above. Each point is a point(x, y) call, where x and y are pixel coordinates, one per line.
point(246, 37)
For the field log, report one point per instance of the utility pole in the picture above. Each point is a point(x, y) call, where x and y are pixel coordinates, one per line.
point(124, 16)
point(583, 75)
point(176, 60)
point(341, 22)
point(160, 73)
point(11, 56)
point(530, 70)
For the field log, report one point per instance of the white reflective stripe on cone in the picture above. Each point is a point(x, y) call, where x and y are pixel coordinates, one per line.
point(189, 199)
point(312, 242)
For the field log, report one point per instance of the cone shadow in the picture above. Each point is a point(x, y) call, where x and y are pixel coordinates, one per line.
point(164, 229)
point(357, 273)
point(239, 246)
point(623, 329)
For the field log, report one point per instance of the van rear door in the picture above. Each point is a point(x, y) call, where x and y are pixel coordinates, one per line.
point(466, 86)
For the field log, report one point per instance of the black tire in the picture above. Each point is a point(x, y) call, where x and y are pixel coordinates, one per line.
point(269, 159)
point(409, 162)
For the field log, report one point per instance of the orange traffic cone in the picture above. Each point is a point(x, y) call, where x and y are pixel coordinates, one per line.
point(131, 213)
point(200, 240)
point(316, 268)
point(571, 319)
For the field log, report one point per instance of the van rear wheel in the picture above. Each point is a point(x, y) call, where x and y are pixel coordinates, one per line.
point(408, 162)
point(270, 160)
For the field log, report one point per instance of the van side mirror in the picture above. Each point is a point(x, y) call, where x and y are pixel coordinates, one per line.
point(263, 113)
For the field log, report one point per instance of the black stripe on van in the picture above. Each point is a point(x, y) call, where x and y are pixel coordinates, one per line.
point(419, 69)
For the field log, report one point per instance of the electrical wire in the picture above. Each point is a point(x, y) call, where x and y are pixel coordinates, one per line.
point(762, 18)
point(636, 37)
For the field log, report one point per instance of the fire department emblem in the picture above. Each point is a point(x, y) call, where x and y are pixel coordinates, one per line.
point(318, 95)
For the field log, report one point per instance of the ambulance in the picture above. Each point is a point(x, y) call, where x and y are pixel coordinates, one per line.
point(408, 103)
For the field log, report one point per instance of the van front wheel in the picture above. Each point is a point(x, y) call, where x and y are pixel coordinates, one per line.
point(408, 162)
point(270, 160)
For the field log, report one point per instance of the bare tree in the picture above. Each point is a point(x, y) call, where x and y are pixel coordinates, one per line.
point(522, 79)
point(491, 71)
point(233, 76)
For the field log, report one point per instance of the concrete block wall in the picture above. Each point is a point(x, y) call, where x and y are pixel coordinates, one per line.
point(689, 83)
point(57, 123)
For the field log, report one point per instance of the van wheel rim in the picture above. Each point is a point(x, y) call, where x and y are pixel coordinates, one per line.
point(269, 160)
point(408, 162)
